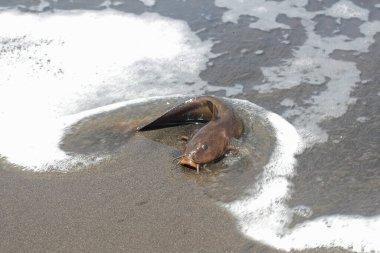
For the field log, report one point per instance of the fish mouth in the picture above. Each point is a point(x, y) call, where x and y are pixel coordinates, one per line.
point(187, 161)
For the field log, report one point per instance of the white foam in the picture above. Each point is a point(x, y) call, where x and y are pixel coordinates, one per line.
point(311, 62)
point(288, 102)
point(346, 9)
point(41, 6)
point(362, 119)
point(148, 2)
point(302, 211)
point(110, 4)
point(54, 65)
point(312, 65)
point(260, 9)
point(43, 152)
point(264, 215)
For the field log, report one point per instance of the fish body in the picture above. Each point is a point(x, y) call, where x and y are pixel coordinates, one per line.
point(211, 141)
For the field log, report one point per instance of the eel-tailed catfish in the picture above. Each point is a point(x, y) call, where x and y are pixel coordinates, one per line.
point(211, 141)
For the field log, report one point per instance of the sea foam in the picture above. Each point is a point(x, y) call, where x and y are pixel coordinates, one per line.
point(58, 64)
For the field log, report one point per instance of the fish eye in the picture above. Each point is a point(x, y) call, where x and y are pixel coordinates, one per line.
point(205, 146)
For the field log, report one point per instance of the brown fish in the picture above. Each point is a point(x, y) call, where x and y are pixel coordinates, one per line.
point(212, 141)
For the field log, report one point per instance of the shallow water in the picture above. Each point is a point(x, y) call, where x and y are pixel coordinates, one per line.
point(315, 63)
point(225, 180)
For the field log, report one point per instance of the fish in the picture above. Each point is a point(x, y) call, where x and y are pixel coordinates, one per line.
point(210, 142)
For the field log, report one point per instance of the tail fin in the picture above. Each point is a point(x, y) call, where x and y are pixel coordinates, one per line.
point(188, 112)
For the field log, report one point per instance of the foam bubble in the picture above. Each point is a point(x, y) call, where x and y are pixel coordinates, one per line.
point(362, 119)
point(303, 211)
point(346, 9)
point(110, 4)
point(148, 2)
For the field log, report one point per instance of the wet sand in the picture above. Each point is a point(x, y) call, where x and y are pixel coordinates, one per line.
point(125, 204)
point(136, 200)
point(119, 205)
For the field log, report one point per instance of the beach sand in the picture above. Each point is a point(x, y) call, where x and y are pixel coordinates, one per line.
point(136, 199)
point(133, 202)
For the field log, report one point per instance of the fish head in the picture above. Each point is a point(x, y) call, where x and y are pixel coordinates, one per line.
point(204, 147)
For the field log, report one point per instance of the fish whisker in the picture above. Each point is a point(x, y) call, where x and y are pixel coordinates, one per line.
point(178, 158)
